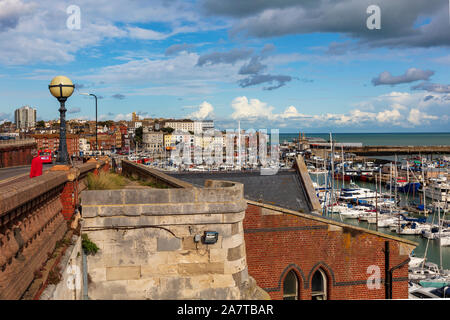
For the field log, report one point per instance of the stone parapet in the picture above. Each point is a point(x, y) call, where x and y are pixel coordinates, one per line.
point(130, 168)
point(33, 217)
point(152, 244)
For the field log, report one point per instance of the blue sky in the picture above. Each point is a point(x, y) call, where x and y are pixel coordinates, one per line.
point(311, 66)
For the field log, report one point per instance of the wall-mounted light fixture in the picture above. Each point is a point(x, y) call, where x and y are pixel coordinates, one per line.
point(210, 237)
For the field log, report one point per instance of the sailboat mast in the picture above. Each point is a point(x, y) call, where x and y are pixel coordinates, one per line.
point(423, 189)
point(239, 143)
point(390, 187)
point(396, 179)
point(343, 167)
point(376, 199)
point(332, 169)
point(440, 238)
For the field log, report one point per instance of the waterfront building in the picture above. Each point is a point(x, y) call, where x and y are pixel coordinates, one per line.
point(180, 125)
point(153, 141)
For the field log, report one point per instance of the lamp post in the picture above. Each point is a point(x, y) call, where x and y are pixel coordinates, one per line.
point(96, 137)
point(62, 88)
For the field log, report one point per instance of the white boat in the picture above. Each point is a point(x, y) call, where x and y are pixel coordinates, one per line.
point(433, 233)
point(411, 228)
point(444, 241)
point(356, 193)
point(415, 262)
point(421, 273)
point(438, 189)
point(350, 213)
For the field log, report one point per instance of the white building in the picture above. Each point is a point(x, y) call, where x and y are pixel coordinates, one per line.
point(203, 125)
point(180, 125)
point(25, 117)
point(84, 145)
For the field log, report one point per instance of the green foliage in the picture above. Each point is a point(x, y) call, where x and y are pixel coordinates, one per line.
point(40, 124)
point(168, 130)
point(105, 181)
point(89, 247)
point(153, 184)
point(138, 135)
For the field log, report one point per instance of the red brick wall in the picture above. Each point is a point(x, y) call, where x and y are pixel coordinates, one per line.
point(11, 156)
point(277, 243)
point(69, 199)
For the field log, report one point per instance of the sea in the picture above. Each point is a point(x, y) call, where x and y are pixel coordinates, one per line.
point(440, 256)
point(383, 139)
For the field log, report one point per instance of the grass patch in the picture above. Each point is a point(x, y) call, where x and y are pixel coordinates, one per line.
point(89, 247)
point(105, 181)
point(153, 184)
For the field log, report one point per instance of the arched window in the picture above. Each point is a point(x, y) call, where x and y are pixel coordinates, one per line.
point(290, 286)
point(319, 285)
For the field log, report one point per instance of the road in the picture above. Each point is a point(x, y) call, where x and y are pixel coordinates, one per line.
point(15, 174)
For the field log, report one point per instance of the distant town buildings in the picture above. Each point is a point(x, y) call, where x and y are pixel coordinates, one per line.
point(158, 134)
point(25, 117)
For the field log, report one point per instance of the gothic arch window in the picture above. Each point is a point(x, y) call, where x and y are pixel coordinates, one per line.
point(319, 285)
point(290, 286)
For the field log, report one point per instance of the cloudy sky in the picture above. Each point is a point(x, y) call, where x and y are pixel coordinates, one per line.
point(296, 65)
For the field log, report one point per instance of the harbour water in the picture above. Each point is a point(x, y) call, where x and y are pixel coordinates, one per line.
point(433, 253)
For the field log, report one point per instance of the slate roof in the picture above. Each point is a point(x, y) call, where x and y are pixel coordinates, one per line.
point(284, 189)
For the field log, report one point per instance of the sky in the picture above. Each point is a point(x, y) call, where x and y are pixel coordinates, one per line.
point(292, 65)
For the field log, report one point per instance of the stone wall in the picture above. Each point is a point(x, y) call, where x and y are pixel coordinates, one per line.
point(71, 285)
point(147, 248)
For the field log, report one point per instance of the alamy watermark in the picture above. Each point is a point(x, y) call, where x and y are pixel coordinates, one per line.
point(374, 280)
point(73, 21)
point(374, 20)
point(248, 149)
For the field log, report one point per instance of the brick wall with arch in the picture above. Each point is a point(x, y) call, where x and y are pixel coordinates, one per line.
point(280, 240)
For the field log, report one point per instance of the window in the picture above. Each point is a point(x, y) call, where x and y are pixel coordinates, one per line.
point(290, 286)
point(319, 286)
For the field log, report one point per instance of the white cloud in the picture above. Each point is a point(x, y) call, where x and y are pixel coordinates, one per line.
point(122, 116)
point(417, 117)
point(33, 32)
point(205, 110)
point(146, 34)
point(245, 109)
point(383, 111)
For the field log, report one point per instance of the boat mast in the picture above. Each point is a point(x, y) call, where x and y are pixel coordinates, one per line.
point(390, 187)
point(239, 144)
point(376, 199)
point(343, 167)
point(332, 170)
point(423, 189)
point(396, 179)
point(439, 223)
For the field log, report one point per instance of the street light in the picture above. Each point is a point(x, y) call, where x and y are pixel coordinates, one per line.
point(96, 138)
point(62, 88)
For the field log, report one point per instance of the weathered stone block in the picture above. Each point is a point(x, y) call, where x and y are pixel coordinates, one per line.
point(200, 268)
point(231, 267)
point(142, 196)
point(217, 255)
point(233, 241)
point(123, 273)
point(168, 244)
point(236, 253)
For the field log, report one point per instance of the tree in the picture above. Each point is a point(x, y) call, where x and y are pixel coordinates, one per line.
point(169, 130)
point(40, 124)
point(138, 135)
